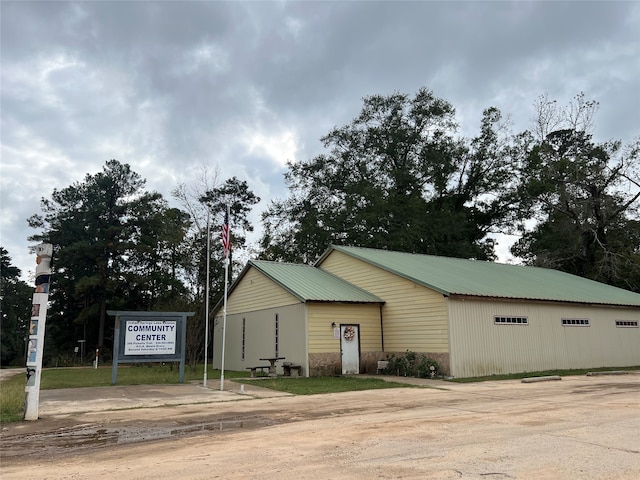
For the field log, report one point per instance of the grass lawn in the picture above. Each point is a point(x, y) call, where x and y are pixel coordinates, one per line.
point(136, 374)
point(12, 398)
point(561, 373)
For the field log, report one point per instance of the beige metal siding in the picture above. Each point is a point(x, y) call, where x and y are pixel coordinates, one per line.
point(260, 337)
point(322, 315)
point(479, 347)
point(414, 317)
point(257, 292)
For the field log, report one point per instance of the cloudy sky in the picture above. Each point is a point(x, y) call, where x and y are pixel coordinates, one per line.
point(243, 87)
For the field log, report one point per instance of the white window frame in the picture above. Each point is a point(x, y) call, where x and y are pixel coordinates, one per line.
point(510, 320)
point(575, 322)
point(627, 324)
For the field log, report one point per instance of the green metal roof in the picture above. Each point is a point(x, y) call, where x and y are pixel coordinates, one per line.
point(308, 283)
point(455, 276)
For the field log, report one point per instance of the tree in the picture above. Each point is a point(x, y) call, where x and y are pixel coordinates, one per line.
point(239, 199)
point(15, 311)
point(584, 198)
point(159, 258)
point(207, 204)
point(396, 178)
point(111, 240)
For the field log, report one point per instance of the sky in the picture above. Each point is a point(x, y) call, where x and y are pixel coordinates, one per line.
point(243, 87)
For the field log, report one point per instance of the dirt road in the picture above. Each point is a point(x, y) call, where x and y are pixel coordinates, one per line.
point(578, 428)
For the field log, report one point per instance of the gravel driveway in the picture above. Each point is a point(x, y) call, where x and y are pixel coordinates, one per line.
point(578, 428)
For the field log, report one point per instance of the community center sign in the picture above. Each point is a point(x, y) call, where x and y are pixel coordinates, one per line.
point(150, 337)
point(141, 337)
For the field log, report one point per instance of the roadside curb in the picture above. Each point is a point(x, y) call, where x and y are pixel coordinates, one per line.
point(613, 372)
point(541, 379)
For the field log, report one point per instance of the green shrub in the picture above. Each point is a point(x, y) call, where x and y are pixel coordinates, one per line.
point(411, 364)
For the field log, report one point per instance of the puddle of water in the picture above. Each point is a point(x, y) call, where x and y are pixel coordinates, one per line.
point(87, 437)
point(129, 435)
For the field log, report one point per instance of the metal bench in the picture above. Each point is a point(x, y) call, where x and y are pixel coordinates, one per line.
point(262, 368)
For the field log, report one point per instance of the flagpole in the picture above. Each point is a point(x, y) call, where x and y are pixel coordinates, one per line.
point(226, 287)
point(206, 303)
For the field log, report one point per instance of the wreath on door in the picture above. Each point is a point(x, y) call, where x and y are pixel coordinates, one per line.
point(349, 333)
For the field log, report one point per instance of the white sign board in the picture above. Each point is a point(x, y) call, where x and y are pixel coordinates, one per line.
point(150, 337)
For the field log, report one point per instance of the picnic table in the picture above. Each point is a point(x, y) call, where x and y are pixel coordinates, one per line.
point(272, 367)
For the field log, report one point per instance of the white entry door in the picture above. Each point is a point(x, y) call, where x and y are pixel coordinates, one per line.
point(350, 347)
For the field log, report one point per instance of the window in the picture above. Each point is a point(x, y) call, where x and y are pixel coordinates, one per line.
point(575, 322)
point(510, 320)
point(626, 324)
point(244, 335)
point(277, 336)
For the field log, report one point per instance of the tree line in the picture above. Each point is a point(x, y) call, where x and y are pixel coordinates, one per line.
point(397, 177)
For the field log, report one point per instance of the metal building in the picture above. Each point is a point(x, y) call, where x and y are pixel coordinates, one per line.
point(355, 306)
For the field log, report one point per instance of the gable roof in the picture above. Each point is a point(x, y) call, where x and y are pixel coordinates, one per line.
point(456, 276)
point(310, 284)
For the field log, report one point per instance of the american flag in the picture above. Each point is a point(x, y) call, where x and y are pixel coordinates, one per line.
point(226, 238)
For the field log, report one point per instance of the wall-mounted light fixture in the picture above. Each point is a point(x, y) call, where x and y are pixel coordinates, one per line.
point(333, 324)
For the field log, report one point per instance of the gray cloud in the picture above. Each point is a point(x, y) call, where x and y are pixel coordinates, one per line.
point(246, 86)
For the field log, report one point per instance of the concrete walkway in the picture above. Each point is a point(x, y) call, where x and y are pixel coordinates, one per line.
point(95, 399)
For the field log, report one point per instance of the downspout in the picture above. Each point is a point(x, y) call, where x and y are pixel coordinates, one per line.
point(381, 330)
point(307, 363)
point(447, 301)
